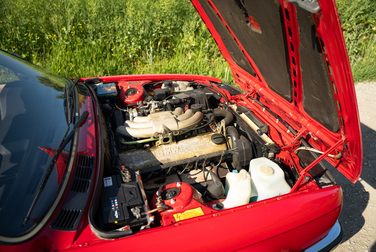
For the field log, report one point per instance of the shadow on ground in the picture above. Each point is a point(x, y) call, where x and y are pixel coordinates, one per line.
point(356, 197)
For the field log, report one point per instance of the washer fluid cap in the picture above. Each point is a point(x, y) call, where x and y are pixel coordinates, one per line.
point(242, 175)
point(266, 170)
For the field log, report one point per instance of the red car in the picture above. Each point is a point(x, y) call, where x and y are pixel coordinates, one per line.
point(185, 162)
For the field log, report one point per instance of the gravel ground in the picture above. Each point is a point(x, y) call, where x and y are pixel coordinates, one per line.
point(358, 216)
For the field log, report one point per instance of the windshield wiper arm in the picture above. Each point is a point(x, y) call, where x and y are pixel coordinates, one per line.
point(63, 143)
point(68, 103)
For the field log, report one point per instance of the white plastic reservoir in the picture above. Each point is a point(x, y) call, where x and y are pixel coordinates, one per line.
point(239, 189)
point(268, 179)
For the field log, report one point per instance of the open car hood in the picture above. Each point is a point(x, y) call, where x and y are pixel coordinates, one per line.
point(292, 57)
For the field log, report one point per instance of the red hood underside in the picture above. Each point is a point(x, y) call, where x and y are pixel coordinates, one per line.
point(296, 63)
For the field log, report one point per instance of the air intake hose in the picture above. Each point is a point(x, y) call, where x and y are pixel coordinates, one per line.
point(227, 115)
point(233, 134)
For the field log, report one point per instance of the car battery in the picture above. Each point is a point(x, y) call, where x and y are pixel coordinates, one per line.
point(122, 203)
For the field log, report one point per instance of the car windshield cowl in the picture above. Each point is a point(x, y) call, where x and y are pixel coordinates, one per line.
point(33, 123)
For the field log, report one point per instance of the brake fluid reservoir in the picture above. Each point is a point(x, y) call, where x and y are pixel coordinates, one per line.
point(239, 189)
point(268, 179)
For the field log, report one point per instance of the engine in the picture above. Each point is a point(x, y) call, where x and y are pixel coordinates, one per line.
point(179, 150)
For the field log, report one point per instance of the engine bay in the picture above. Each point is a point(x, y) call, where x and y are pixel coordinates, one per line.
point(180, 149)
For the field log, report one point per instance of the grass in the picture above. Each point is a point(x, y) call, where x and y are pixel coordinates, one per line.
point(358, 19)
point(105, 37)
point(110, 37)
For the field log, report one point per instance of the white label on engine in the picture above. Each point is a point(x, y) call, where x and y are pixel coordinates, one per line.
point(107, 181)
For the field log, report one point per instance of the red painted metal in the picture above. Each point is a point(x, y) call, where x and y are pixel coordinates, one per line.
point(135, 97)
point(278, 220)
point(187, 199)
point(304, 173)
point(275, 223)
point(329, 31)
point(155, 77)
point(329, 28)
point(290, 222)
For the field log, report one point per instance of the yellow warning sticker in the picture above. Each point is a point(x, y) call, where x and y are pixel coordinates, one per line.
point(188, 214)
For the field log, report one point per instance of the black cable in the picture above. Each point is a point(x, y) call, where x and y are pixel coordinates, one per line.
point(195, 169)
point(151, 174)
point(203, 168)
point(220, 161)
point(169, 169)
point(180, 173)
point(207, 173)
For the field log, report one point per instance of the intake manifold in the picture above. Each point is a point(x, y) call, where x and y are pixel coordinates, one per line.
point(159, 122)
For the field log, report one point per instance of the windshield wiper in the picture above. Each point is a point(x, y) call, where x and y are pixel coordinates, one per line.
point(68, 104)
point(63, 143)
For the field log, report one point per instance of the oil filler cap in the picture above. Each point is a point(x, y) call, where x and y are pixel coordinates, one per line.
point(217, 139)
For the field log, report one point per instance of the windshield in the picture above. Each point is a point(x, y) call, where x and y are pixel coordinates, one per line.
point(32, 124)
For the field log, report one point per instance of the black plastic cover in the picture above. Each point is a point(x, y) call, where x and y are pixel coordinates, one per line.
point(232, 90)
point(70, 214)
point(195, 96)
point(215, 189)
point(161, 94)
point(245, 151)
point(92, 81)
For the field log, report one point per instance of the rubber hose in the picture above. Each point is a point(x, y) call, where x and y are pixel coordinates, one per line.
point(233, 134)
point(224, 113)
